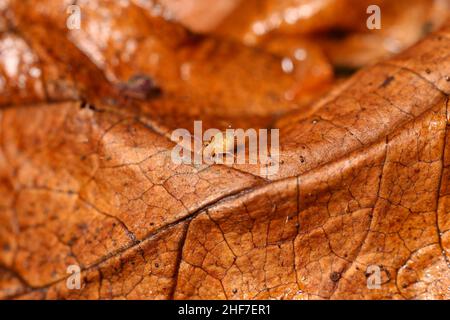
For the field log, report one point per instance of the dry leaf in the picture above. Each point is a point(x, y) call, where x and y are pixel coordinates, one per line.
point(86, 176)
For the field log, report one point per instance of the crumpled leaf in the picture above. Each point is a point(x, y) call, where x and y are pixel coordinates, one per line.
point(86, 176)
point(346, 40)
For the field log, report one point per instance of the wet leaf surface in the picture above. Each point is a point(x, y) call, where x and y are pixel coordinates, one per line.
point(86, 176)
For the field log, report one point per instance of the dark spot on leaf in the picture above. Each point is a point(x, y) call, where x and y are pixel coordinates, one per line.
point(427, 27)
point(72, 241)
point(335, 276)
point(82, 226)
point(387, 81)
point(338, 34)
point(83, 104)
point(344, 71)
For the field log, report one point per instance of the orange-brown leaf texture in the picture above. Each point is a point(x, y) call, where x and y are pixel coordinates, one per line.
point(86, 176)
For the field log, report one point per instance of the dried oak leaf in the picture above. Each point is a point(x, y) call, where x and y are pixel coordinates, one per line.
point(363, 180)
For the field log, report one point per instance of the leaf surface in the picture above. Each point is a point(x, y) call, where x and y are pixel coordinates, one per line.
point(86, 175)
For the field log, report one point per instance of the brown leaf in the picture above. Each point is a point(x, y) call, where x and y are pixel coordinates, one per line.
point(86, 175)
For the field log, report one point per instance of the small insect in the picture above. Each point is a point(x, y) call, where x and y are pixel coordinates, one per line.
point(220, 144)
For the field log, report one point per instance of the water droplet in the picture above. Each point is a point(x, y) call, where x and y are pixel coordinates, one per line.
point(304, 11)
point(291, 16)
point(11, 63)
point(300, 54)
point(275, 20)
point(287, 65)
point(35, 72)
point(259, 28)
